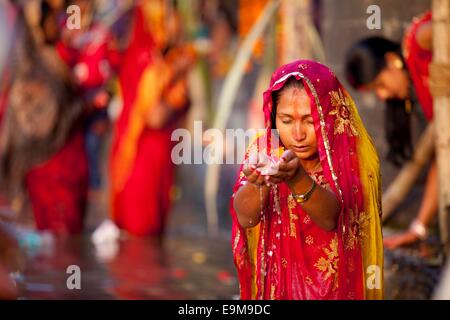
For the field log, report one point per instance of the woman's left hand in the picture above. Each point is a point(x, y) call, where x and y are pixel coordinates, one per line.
point(289, 169)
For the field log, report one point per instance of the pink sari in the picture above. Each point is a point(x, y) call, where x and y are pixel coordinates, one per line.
point(287, 256)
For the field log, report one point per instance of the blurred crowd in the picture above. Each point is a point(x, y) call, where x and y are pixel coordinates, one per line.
point(95, 86)
point(91, 91)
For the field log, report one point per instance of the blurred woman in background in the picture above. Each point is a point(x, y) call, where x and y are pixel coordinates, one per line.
point(153, 84)
point(400, 76)
point(42, 150)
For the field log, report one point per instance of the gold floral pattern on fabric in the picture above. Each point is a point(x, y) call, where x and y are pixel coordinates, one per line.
point(240, 260)
point(309, 240)
point(236, 240)
point(342, 104)
point(357, 229)
point(284, 262)
point(292, 229)
point(319, 178)
point(308, 280)
point(272, 292)
point(292, 217)
point(329, 263)
point(306, 220)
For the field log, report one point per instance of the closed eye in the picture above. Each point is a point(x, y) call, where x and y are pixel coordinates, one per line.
point(285, 118)
point(308, 119)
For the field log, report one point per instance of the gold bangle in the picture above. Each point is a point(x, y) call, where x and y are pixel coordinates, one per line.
point(300, 198)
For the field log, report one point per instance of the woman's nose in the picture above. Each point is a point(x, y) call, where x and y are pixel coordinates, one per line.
point(299, 134)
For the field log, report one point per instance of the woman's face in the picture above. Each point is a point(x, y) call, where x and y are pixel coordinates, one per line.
point(295, 124)
point(392, 82)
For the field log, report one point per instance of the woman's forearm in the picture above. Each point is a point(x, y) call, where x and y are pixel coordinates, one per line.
point(247, 204)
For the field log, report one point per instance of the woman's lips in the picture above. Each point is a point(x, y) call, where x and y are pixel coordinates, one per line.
point(300, 148)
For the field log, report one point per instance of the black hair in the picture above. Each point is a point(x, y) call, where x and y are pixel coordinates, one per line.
point(363, 63)
point(46, 11)
point(397, 126)
point(366, 59)
point(292, 82)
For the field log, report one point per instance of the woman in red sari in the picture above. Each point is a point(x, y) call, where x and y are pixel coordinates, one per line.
point(154, 90)
point(311, 230)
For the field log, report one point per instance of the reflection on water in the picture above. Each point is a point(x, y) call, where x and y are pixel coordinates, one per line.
point(178, 268)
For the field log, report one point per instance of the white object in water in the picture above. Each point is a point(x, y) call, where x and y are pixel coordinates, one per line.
point(106, 232)
point(105, 239)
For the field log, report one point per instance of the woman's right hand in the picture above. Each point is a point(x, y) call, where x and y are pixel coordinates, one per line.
point(253, 174)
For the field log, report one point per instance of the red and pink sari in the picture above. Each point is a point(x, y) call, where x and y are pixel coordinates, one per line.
point(57, 188)
point(287, 256)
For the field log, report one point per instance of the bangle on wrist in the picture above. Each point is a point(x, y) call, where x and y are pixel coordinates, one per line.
point(419, 229)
